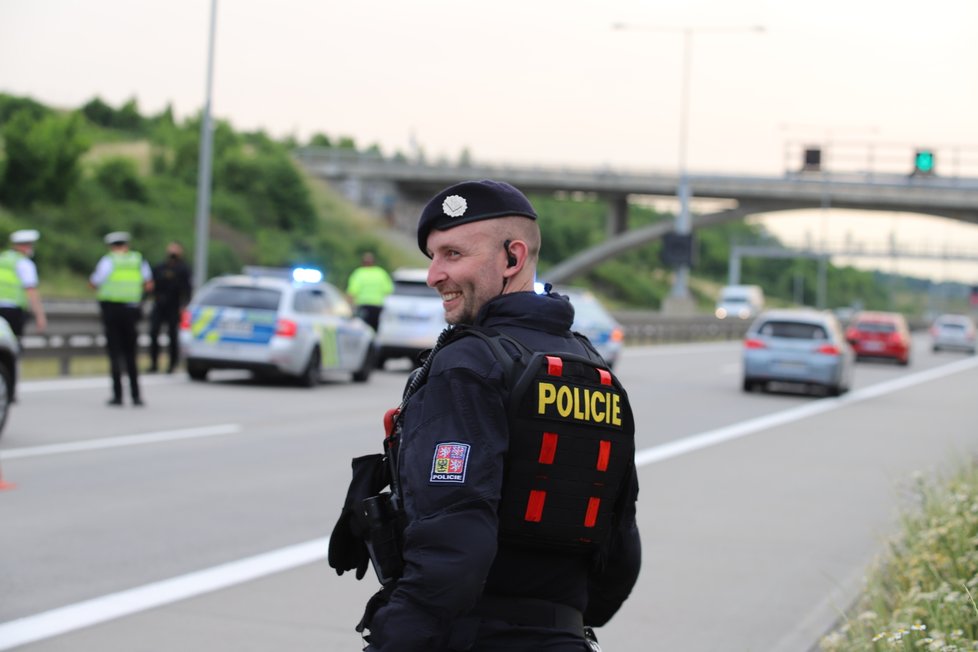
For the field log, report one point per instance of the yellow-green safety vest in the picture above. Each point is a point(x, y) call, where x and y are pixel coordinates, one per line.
point(369, 285)
point(11, 289)
point(125, 283)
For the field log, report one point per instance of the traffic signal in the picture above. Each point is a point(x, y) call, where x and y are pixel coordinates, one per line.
point(812, 160)
point(677, 250)
point(923, 162)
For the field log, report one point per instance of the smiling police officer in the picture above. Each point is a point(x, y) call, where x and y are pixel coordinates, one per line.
point(513, 476)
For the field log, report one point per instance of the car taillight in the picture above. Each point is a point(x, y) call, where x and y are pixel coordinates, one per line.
point(828, 349)
point(895, 338)
point(852, 334)
point(185, 320)
point(754, 344)
point(286, 328)
point(617, 335)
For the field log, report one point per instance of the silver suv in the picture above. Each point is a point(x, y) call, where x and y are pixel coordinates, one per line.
point(275, 322)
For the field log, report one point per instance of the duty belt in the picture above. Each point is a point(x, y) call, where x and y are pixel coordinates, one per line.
point(531, 612)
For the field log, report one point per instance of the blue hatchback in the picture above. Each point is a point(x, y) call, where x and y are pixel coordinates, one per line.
point(798, 347)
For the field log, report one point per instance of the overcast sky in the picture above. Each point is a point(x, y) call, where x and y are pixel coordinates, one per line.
point(539, 81)
point(524, 80)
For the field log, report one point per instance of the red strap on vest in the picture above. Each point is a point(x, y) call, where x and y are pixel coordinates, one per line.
point(605, 376)
point(548, 448)
point(534, 506)
point(592, 511)
point(604, 454)
point(555, 366)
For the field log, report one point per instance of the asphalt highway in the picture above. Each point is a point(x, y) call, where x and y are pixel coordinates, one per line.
point(200, 521)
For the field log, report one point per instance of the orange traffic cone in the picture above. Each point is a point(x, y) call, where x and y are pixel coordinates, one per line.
point(5, 485)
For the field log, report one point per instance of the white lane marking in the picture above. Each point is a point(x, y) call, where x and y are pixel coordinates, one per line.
point(744, 428)
point(98, 610)
point(123, 440)
point(125, 603)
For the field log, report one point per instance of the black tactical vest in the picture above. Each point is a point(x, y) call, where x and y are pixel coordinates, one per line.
point(571, 448)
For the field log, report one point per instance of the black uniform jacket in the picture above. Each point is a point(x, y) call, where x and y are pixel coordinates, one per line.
point(453, 447)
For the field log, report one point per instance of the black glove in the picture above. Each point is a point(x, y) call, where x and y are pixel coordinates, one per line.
point(346, 550)
point(347, 544)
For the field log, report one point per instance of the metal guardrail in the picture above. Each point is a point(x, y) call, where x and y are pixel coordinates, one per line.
point(75, 330)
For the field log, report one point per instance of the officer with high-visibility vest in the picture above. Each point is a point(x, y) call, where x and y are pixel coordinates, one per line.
point(18, 283)
point(367, 288)
point(120, 279)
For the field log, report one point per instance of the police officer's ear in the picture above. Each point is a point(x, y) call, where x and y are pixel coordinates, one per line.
point(510, 258)
point(516, 251)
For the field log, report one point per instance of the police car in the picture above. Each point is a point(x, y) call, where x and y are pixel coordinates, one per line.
point(275, 322)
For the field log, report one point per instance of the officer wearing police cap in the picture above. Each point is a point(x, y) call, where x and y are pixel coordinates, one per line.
point(463, 584)
point(120, 279)
point(19, 281)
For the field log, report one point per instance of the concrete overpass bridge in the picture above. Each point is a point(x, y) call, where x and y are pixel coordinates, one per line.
point(400, 187)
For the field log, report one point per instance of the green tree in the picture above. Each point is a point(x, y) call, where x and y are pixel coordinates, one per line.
point(320, 140)
point(42, 158)
point(120, 178)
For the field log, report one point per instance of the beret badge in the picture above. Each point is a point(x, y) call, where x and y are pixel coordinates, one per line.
point(454, 206)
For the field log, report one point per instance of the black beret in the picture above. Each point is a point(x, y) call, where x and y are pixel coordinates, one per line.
point(471, 201)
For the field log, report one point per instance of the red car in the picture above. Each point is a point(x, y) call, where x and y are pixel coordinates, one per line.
point(880, 335)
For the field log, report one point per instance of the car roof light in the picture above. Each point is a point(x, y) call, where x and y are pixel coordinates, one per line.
point(307, 275)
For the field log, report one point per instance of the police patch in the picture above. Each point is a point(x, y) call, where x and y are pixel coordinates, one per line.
point(450, 463)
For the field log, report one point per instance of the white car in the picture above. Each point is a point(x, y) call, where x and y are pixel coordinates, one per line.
point(275, 322)
point(953, 332)
point(411, 319)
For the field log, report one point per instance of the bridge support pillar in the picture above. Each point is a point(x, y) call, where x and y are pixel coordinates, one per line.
point(617, 215)
point(679, 302)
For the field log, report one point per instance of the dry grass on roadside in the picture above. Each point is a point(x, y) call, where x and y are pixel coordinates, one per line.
point(922, 594)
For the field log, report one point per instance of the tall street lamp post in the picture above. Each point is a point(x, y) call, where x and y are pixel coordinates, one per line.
point(684, 225)
point(204, 167)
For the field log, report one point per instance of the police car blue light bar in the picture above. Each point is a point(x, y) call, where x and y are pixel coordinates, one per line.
point(306, 275)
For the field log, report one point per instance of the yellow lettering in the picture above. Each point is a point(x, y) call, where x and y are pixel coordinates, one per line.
point(547, 395)
point(595, 397)
point(578, 414)
point(616, 410)
point(564, 401)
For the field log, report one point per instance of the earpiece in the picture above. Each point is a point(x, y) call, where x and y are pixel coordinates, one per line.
point(510, 258)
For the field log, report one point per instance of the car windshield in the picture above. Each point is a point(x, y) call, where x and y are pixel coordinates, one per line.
point(950, 326)
point(589, 311)
point(235, 296)
point(793, 330)
point(876, 326)
point(734, 300)
point(412, 289)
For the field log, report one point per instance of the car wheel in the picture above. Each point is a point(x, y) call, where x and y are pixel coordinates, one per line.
point(196, 370)
point(370, 361)
point(313, 371)
point(748, 385)
point(6, 387)
point(935, 348)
